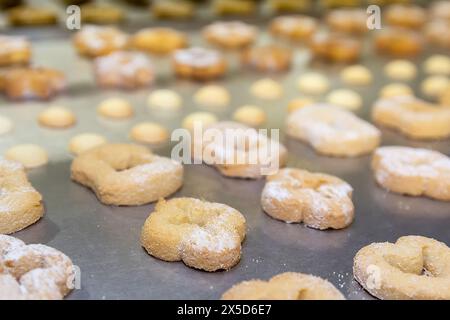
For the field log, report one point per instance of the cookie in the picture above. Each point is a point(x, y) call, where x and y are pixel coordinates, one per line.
point(94, 41)
point(437, 64)
point(149, 132)
point(85, 141)
point(31, 16)
point(233, 7)
point(250, 115)
point(313, 83)
point(347, 20)
point(266, 89)
point(407, 16)
point(267, 58)
point(6, 125)
point(101, 13)
point(396, 89)
point(212, 96)
point(230, 34)
point(294, 27)
point(158, 40)
point(115, 108)
point(198, 118)
point(402, 70)
point(398, 42)
point(335, 47)
point(345, 98)
point(56, 117)
point(163, 9)
point(29, 155)
point(14, 50)
point(435, 86)
point(164, 100)
point(358, 75)
point(435, 32)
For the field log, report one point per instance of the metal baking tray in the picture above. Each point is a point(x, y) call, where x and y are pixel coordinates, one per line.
point(104, 240)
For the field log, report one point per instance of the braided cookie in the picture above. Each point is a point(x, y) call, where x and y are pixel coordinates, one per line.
point(94, 41)
point(14, 50)
point(333, 131)
point(285, 286)
point(319, 200)
point(33, 272)
point(20, 204)
point(127, 174)
point(413, 171)
point(237, 150)
point(204, 235)
point(230, 34)
point(413, 117)
point(414, 267)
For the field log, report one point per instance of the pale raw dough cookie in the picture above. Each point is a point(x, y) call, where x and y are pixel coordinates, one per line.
point(237, 150)
point(204, 235)
point(413, 171)
point(413, 117)
point(252, 116)
point(212, 96)
point(437, 64)
point(198, 118)
point(402, 70)
point(149, 132)
point(127, 174)
point(313, 83)
point(412, 268)
point(20, 204)
point(435, 86)
point(345, 98)
point(30, 155)
point(165, 100)
point(267, 89)
point(333, 131)
point(395, 89)
point(6, 125)
point(298, 103)
point(56, 117)
point(85, 141)
point(356, 75)
point(116, 108)
point(285, 286)
point(318, 200)
point(33, 272)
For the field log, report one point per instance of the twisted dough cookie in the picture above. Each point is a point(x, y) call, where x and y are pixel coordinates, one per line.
point(333, 131)
point(127, 174)
point(33, 271)
point(20, 204)
point(319, 200)
point(413, 171)
point(414, 267)
point(285, 286)
point(204, 235)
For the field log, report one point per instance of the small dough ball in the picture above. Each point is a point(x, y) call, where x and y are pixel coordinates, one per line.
point(437, 64)
point(164, 99)
point(435, 86)
point(204, 118)
point(267, 89)
point(6, 125)
point(313, 83)
point(298, 103)
point(212, 96)
point(252, 116)
point(347, 99)
point(396, 89)
point(356, 75)
point(149, 132)
point(116, 108)
point(30, 155)
point(56, 117)
point(85, 141)
point(403, 70)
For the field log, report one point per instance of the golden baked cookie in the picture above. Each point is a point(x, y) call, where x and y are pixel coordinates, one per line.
point(6, 125)
point(440, 10)
point(345, 98)
point(284, 286)
point(289, 5)
point(395, 89)
point(149, 132)
point(31, 16)
point(172, 9)
point(266, 89)
point(164, 100)
point(437, 64)
point(115, 108)
point(356, 75)
point(204, 235)
point(347, 20)
point(313, 83)
point(413, 117)
point(398, 42)
point(413, 171)
point(29, 155)
point(33, 272)
point(335, 47)
point(101, 13)
point(412, 268)
point(199, 63)
point(436, 32)
point(158, 40)
point(435, 86)
point(21, 204)
point(212, 97)
point(407, 16)
point(233, 7)
point(85, 141)
point(333, 131)
point(56, 117)
point(294, 27)
point(230, 34)
point(94, 41)
point(194, 119)
point(124, 69)
point(250, 115)
point(318, 200)
point(126, 174)
point(402, 70)
point(268, 58)
point(14, 50)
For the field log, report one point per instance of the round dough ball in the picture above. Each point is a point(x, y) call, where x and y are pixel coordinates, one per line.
point(347, 99)
point(356, 75)
point(396, 89)
point(213, 96)
point(29, 155)
point(252, 116)
point(204, 118)
point(313, 83)
point(56, 117)
point(437, 64)
point(164, 99)
point(298, 103)
point(435, 86)
point(116, 108)
point(403, 70)
point(6, 125)
point(149, 132)
point(267, 89)
point(85, 141)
